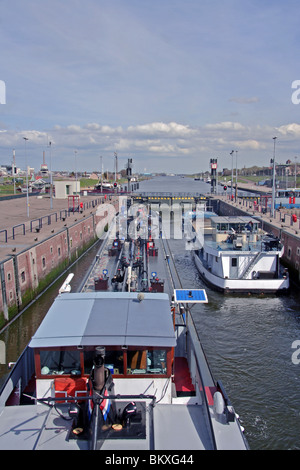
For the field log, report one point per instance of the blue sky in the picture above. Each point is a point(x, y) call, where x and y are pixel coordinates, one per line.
point(168, 83)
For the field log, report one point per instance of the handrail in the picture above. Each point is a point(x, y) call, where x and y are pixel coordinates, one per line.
point(5, 231)
point(16, 226)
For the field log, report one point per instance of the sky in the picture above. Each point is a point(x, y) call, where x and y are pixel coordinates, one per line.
point(168, 83)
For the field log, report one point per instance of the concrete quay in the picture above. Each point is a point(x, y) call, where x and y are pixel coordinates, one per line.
point(34, 250)
point(19, 232)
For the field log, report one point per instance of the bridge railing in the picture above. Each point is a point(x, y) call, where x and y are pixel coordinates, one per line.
point(169, 194)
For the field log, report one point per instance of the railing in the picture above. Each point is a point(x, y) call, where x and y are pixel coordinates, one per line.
point(5, 234)
point(172, 195)
point(23, 369)
point(16, 226)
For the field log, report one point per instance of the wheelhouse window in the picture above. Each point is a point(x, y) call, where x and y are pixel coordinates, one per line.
point(114, 361)
point(147, 361)
point(60, 362)
point(122, 362)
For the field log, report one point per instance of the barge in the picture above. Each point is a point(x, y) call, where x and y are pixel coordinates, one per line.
point(119, 365)
point(238, 257)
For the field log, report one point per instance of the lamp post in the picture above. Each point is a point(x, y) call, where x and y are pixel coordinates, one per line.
point(76, 171)
point(116, 165)
point(295, 172)
point(273, 185)
point(27, 195)
point(14, 170)
point(101, 165)
point(236, 175)
point(51, 188)
point(231, 153)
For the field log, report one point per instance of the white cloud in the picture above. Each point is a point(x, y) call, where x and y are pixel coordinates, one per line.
point(225, 126)
point(250, 145)
point(191, 147)
point(290, 130)
point(168, 129)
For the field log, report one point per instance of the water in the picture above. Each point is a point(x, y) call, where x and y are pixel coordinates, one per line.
point(247, 341)
point(248, 344)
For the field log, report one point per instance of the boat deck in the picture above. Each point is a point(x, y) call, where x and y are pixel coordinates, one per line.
point(37, 427)
point(225, 246)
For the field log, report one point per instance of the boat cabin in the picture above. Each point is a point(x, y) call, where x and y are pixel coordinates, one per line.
point(243, 227)
point(135, 329)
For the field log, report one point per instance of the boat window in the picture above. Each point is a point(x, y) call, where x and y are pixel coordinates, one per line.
point(113, 361)
point(60, 362)
point(147, 362)
point(233, 262)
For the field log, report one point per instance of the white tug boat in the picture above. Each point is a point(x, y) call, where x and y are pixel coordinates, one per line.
point(119, 366)
point(237, 256)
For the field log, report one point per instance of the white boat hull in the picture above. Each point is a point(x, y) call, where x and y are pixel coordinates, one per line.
point(255, 286)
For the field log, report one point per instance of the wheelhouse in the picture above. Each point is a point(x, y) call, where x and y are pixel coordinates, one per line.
point(136, 331)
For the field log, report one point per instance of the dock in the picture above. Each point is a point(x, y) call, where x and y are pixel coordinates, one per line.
point(34, 250)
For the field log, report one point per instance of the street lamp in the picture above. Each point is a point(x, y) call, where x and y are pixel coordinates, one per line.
point(231, 153)
point(236, 175)
point(27, 195)
point(51, 189)
point(273, 186)
point(295, 172)
point(101, 164)
point(116, 165)
point(76, 171)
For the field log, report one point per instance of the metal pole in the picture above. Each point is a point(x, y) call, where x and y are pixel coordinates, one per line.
point(76, 170)
point(14, 170)
point(295, 172)
point(116, 165)
point(236, 175)
point(231, 153)
point(27, 196)
point(273, 186)
point(51, 189)
point(101, 172)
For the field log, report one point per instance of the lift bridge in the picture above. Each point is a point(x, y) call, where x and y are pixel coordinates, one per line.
point(173, 204)
point(169, 198)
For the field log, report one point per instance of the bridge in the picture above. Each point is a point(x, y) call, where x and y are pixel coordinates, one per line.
point(169, 198)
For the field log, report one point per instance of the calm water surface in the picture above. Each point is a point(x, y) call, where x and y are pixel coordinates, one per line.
point(247, 341)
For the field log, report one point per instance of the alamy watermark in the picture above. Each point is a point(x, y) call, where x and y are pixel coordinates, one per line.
point(164, 221)
point(2, 92)
point(296, 94)
point(296, 354)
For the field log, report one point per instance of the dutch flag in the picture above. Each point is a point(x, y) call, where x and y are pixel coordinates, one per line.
point(105, 405)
